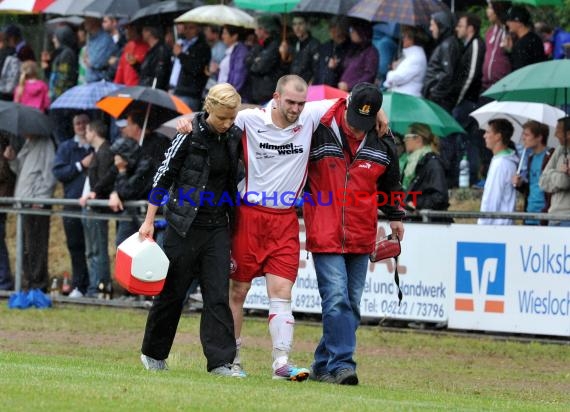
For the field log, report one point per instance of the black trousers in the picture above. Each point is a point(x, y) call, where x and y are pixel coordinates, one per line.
point(205, 254)
point(75, 238)
point(36, 241)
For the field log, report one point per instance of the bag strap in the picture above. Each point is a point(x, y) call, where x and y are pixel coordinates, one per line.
point(396, 276)
point(397, 281)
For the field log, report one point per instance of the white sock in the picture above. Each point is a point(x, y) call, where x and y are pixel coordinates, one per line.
point(281, 324)
point(237, 359)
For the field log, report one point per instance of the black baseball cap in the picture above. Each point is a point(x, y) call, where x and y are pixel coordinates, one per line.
point(520, 14)
point(364, 102)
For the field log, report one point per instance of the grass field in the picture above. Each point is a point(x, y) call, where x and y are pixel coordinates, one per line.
point(75, 358)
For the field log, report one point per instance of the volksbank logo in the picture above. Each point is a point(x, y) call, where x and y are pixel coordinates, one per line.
point(480, 277)
point(283, 150)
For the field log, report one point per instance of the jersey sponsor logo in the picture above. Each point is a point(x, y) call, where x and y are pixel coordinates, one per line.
point(365, 165)
point(282, 150)
point(480, 277)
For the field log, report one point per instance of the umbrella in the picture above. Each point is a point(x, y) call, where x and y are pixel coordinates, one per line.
point(168, 129)
point(67, 7)
point(19, 120)
point(84, 96)
point(322, 91)
point(336, 7)
point(163, 12)
point(538, 3)
point(218, 15)
point(24, 6)
point(268, 6)
point(404, 109)
point(164, 106)
point(546, 82)
point(73, 20)
point(518, 113)
point(116, 8)
point(409, 12)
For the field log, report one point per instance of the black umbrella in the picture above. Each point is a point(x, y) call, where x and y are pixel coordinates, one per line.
point(336, 7)
point(116, 8)
point(18, 119)
point(162, 13)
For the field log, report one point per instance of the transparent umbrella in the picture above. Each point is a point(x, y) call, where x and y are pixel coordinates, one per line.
point(518, 113)
point(219, 15)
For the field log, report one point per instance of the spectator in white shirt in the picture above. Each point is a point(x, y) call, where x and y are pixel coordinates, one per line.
point(407, 75)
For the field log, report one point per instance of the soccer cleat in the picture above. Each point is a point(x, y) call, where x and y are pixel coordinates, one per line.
point(229, 370)
point(152, 364)
point(238, 371)
point(291, 373)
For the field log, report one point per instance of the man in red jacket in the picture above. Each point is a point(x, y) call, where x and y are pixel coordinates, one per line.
point(349, 158)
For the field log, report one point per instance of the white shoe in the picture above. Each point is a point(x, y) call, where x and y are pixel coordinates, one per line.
point(75, 293)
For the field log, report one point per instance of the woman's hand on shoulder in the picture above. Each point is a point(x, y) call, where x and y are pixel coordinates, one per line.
point(184, 125)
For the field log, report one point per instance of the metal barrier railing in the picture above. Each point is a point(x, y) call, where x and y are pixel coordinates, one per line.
point(22, 206)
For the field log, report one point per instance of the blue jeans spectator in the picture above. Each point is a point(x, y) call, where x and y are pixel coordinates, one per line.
point(341, 280)
point(97, 253)
point(6, 282)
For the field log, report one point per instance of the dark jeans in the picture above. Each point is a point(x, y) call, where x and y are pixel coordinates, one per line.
point(453, 147)
point(36, 242)
point(97, 253)
point(204, 253)
point(341, 280)
point(126, 228)
point(5, 272)
point(75, 238)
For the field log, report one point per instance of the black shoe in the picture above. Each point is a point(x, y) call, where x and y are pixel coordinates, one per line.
point(321, 377)
point(346, 377)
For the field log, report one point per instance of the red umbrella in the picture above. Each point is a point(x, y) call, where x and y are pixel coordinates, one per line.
point(322, 91)
point(24, 6)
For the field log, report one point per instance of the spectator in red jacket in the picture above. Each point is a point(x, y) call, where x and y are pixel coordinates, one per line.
point(132, 56)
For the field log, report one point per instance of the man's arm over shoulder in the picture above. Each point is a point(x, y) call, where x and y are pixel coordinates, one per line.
point(316, 110)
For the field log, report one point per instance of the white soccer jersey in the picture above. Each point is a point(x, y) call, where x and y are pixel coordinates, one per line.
point(276, 159)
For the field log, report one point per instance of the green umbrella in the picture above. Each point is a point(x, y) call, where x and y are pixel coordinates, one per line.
point(404, 109)
point(268, 6)
point(546, 82)
point(538, 3)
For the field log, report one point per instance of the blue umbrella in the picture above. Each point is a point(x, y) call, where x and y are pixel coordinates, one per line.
point(84, 96)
